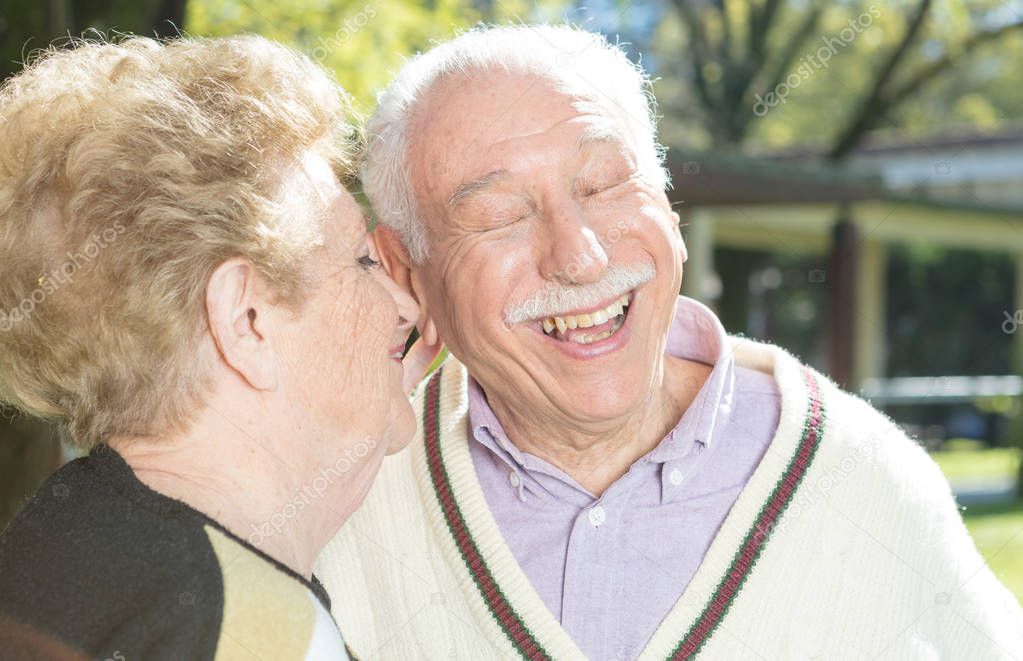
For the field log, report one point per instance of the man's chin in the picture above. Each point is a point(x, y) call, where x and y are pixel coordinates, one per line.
point(603, 402)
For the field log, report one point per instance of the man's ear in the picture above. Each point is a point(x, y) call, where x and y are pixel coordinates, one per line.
point(238, 319)
point(681, 241)
point(396, 261)
point(393, 256)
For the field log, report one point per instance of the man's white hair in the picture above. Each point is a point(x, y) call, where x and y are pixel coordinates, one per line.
point(581, 63)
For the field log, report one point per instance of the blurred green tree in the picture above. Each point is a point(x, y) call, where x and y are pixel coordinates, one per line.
point(836, 70)
point(363, 42)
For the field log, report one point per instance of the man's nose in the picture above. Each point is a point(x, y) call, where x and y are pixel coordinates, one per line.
point(573, 254)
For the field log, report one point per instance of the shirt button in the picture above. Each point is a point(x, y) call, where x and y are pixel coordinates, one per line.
point(514, 479)
point(675, 477)
point(597, 516)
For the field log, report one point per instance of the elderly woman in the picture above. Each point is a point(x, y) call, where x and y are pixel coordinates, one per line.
point(187, 287)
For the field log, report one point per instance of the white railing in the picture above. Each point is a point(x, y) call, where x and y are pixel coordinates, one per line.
point(940, 389)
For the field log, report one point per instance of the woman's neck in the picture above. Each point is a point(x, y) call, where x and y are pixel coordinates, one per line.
point(243, 486)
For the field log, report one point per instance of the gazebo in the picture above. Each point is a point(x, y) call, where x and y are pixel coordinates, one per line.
point(962, 192)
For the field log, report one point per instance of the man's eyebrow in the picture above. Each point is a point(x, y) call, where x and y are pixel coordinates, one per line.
point(599, 135)
point(596, 135)
point(469, 188)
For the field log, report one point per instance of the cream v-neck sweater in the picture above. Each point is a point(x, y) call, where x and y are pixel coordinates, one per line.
point(845, 544)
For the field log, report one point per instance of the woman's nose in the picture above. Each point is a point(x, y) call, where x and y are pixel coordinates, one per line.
point(408, 309)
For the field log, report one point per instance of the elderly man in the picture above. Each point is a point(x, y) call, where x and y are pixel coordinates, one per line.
point(601, 471)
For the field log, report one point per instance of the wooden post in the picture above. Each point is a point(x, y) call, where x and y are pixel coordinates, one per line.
point(870, 335)
point(1017, 362)
point(60, 18)
point(699, 279)
point(842, 287)
point(1017, 344)
point(29, 452)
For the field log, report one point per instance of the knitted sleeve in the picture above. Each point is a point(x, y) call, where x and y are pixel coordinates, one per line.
point(963, 611)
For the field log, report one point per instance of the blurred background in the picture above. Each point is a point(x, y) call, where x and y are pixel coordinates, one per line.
point(849, 174)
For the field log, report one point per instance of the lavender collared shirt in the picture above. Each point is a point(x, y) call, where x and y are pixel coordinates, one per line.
point(610, 568)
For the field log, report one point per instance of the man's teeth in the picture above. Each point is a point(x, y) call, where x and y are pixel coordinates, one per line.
point(571, 322)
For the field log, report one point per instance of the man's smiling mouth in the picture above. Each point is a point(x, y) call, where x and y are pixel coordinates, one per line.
point(589, 327)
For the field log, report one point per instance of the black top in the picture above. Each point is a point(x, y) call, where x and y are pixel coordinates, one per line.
point(100, 565)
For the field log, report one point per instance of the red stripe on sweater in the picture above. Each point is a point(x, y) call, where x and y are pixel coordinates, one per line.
point(500, 608)
point(757, 537)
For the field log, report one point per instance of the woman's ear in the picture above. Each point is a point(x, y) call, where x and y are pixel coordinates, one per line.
point(238, 320)
point(396, 261)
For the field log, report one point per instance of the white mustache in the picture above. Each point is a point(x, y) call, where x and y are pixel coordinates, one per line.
point(554, 300)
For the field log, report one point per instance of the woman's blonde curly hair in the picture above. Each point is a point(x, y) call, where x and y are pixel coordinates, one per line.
point(128, 172)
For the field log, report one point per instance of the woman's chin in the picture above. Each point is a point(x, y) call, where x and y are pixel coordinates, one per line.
point(402, 427)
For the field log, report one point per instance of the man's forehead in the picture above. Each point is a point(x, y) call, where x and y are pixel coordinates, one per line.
point(468, 128)
point(462, 115)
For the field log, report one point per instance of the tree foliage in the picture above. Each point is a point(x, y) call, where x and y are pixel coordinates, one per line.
point(363, 42)
point(886, 64)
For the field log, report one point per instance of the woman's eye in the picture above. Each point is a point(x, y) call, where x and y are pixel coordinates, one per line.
point(368, 262)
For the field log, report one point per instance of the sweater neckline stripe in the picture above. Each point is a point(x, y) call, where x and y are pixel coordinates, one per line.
point(756, 538)
point(501, 610)
point(808, 432)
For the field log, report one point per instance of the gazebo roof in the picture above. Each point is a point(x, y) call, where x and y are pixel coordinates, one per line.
point(702, 179)
point(712, 180)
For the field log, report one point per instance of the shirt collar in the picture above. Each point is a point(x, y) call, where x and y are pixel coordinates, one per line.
point(486, 428)
point(489, 433)
point(695, 334)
